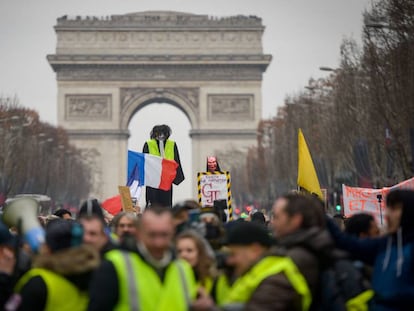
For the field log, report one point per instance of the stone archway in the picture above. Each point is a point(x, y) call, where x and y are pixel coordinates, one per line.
point(109, 68)
point(133, 99)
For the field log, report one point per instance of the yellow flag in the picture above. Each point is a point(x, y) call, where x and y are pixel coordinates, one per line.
point(307, 178)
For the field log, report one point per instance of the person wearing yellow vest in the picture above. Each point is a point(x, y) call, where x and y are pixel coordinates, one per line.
point(159, 144)
point(193, 248)
point(60, 276)
point(263, 280)
point(149, 278)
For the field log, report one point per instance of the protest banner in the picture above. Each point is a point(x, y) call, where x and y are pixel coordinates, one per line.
point(372, 201)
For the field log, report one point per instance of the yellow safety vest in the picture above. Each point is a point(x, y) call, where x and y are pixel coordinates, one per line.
point(207, 285)
point(140, 287)
point(62, 295)
point(243, 288)
point(168, 148)
point(360, 302)
point(222, 289)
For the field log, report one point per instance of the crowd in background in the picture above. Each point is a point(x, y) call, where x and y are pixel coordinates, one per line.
point(190, 258)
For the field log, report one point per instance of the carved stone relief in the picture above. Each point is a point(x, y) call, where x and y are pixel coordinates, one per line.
point(230, 107)
point(189, 95)
point(88, 107)
point(175, 38)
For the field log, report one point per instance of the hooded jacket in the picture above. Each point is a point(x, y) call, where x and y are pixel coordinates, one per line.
point(75, 264)
point(392, 258)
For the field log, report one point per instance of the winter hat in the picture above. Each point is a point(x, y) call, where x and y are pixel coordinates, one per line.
point(63, 234)
point(91, 207)
point(258, 217)
point(247, 233)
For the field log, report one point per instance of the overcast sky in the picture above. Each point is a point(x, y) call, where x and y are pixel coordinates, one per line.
point(302, 35)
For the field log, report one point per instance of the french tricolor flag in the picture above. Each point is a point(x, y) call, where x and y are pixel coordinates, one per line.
point(151, 170)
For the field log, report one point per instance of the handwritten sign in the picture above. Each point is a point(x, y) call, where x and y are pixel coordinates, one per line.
point(126, 199)
point(213, 186)
point(357, 200)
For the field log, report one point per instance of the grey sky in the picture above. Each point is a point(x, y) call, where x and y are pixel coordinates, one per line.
point(302, 35)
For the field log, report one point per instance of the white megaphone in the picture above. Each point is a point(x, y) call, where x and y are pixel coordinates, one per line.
point(22, 213)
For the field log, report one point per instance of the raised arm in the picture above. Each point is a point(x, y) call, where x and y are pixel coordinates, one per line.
point(365, 249)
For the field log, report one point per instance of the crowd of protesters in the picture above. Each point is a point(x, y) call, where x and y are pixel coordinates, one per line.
point(187, 257)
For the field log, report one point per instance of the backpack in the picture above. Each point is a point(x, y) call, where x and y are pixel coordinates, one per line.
point(340, 281)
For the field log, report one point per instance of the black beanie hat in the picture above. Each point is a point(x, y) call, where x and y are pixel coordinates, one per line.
point(247, 233)
point(63, 234)
point(91, 207)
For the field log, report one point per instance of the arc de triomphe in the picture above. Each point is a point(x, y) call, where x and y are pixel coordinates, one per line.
point(108, 68)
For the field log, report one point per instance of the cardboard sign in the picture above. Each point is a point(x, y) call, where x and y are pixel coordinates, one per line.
point(212, 187)
point(126, 199)
point(370, 201)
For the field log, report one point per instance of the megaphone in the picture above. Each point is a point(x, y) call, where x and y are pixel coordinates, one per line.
point(22, 212)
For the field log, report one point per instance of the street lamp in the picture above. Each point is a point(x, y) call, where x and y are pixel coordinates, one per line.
point(376, 23)
point(325, 68)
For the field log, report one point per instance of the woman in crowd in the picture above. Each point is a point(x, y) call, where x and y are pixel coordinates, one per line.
point(193, 248)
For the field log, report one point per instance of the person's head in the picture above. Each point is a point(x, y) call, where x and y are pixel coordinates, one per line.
point(246, 243)
point(181, 210)
point(295, 211)
point(94, 231)
point(213, 227)
point(362, 225)
point(209, 216)
point(63, 213)
point(125, 223)
point(156, 230)
point(160, 132)
point(8, 245)
point(62, 234)
point(400, 210)
point(193, 248)
point(212, 164)
point(6, 238)
point(259, 218)
point(91, 207)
